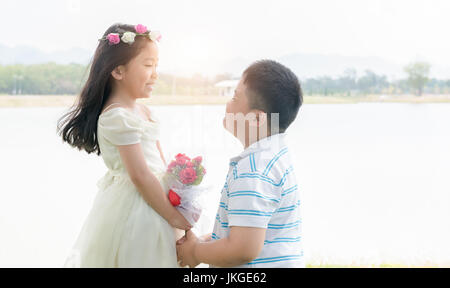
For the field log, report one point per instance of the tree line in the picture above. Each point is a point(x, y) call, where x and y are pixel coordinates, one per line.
point(57, 79)
point(417, 82)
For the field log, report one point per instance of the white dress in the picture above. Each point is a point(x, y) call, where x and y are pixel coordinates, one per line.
point(122, 230)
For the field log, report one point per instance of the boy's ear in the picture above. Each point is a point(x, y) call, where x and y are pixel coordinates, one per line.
point(259, 119)
point(262, 119)
point(117, 73)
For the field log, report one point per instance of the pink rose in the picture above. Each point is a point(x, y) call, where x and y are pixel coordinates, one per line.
point(181, 155)
point(141, 29)
point(113, 38)
point(172, 165)
point(189, 164)
point(181, 159)
point(187, 175)
point(198, 159)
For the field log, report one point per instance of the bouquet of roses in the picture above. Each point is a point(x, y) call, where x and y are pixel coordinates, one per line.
point(183, 176)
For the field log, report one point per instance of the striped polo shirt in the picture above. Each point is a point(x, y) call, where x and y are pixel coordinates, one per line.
point(261, 191)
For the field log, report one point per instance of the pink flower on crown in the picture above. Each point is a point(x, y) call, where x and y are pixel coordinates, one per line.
point(141, 29)
point(113, 38)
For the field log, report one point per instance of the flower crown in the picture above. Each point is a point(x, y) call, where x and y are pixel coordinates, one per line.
point(128, 37)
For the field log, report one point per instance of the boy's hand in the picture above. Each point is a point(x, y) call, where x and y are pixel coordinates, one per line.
point(185, 250)
point(206, 237)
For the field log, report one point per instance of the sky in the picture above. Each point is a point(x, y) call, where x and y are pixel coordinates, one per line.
point(199, 35)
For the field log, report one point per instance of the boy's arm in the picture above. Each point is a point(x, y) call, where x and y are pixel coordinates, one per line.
point(241, 246)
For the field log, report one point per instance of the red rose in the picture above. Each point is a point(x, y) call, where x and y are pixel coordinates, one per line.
point(187, 175)
point(174, 198)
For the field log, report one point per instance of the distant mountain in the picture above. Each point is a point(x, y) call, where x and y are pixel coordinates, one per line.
point(303, 64)
point(314, 65)
point(29, 55)
point(317, 65)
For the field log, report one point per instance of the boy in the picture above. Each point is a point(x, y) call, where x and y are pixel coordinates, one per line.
point(258, 221)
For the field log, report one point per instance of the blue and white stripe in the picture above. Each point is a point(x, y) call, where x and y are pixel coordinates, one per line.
point(274, 160)
point(252, 162)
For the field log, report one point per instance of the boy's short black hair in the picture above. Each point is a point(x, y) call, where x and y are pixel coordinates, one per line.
point(273, 88)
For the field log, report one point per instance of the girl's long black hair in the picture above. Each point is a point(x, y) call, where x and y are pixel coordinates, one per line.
point(78, 126)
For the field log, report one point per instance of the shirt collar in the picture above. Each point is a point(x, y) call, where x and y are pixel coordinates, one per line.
point(274, 142)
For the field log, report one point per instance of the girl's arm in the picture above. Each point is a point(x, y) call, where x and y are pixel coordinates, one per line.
point(148, 185)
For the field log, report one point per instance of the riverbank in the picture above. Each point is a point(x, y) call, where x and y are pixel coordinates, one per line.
point(68, 100)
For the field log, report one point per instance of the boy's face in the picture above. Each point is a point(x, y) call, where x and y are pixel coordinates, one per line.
point(240, 120)
point(239, 102)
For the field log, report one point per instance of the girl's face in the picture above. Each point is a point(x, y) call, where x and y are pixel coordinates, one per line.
point(139, 75)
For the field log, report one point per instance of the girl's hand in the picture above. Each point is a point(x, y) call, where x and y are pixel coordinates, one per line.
point(203, 238)
point(186, 250)
point(177, 220)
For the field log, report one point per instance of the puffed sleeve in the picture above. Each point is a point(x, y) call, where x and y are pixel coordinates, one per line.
point(119, 127)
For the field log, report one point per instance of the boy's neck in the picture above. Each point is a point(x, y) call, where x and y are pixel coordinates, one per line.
point(251, 140)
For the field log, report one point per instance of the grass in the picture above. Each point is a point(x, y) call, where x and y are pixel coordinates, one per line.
point(68, 100)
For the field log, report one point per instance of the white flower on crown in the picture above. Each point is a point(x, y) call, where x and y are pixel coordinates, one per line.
point(128, 37)
point(155, 36)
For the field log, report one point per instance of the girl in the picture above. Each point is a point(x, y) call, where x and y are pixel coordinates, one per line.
point(130, 222)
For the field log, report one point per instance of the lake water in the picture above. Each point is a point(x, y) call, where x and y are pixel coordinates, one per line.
point(374, 178)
